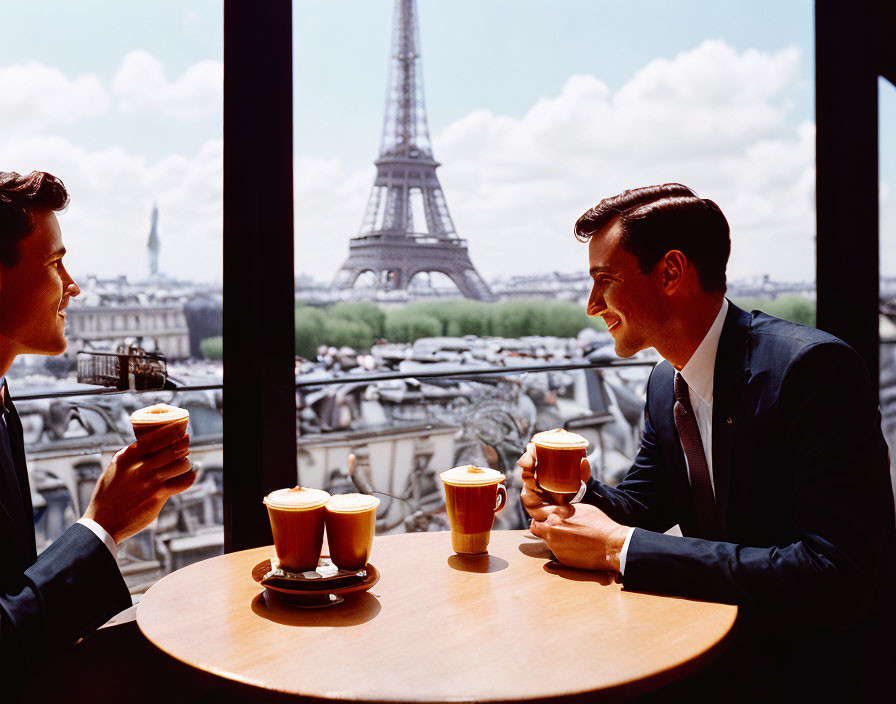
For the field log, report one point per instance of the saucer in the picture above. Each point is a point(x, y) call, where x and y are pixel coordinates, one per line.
point(314, 592)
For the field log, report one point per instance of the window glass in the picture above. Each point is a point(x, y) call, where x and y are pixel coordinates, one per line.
point(123, 102)
point(403, 433)
point(529, 134)
point(435, 200)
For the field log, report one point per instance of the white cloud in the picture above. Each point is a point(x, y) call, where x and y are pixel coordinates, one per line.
point(106, 226)
point(140, 84)
point(713, 118)
point(34, 97)
point(329, 205)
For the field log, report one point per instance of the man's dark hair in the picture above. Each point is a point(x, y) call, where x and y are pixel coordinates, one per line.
point(19, 197)
point(657, 219)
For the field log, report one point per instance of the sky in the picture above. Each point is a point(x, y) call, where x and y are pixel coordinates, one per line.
point(537, 109)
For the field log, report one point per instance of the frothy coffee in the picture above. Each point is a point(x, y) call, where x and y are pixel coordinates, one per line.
point(352, 503)
point(560, 439)
point(471, 475)
point(296, 499)
point(147, 420)
point(159, 414)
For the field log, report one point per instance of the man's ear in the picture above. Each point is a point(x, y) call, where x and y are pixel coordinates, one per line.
point(672, 269)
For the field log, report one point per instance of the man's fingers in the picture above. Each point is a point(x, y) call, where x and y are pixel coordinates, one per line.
point(151, 462)
point(533, 503)
point(529, 481)
point(538, 528)
point(553, 520)
point(537, 510)
point(585, 469)
point(161, 437)
point(530, 498)
point(559, 513)
point(127, 455)
point(177, 484)
point(527, 460)
point(172, 469)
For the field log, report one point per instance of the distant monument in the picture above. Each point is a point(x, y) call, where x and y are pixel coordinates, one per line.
point(154, 244)
point(391, 245)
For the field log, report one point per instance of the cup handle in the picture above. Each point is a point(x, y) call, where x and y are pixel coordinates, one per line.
point(501, 498)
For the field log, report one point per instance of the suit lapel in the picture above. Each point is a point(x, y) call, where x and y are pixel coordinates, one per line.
point(729, 378)
point(667, 431)
point(14, 424)
point(11, 496)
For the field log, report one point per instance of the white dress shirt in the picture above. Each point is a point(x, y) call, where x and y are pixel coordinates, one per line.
point(698, 373)
point(88, 523)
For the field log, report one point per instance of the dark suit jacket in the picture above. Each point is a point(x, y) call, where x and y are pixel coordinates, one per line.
point(802, 485)
point(51, 600)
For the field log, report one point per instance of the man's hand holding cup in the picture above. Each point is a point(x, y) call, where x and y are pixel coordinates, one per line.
point(563, 466)
point(134, 487)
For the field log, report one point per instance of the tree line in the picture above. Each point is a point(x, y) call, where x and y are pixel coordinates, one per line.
point(361, 325)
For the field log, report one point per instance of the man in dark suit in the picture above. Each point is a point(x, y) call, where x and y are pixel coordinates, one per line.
point(762, 442)
point(50, 600)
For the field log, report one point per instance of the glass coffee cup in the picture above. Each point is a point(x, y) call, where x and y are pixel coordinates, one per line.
point(558, 456)
point(473, 495)
point(351, 525)
point(297, 523)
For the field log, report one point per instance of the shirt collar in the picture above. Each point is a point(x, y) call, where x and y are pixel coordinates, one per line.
point(699, 370)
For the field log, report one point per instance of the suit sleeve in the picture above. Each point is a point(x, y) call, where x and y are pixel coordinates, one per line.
point(74, 587)
point(842, 509)
point(643, 498)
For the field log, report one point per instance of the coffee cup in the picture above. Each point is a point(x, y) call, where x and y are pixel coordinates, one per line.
point(145, 420)
point(297, 523)
point(558, 458)
point(351, 524)
point(473, 495)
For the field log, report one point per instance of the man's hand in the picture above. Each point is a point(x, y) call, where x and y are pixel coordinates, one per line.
point(535, 499)
point(131, 492)
point(581, 535)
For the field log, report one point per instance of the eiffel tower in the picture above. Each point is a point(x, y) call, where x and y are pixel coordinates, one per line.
point(391, 244)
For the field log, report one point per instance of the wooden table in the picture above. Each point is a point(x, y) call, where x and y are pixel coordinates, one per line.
point(438, 627)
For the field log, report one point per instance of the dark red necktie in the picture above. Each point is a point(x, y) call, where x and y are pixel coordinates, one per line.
point(701, 487)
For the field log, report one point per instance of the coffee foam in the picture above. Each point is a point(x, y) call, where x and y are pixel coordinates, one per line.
point(471, 475)
point(352, 503)
point(159, 413)
point(296, 499)
point(560, 439)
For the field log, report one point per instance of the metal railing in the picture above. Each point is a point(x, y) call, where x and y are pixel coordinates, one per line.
point(110, 392)
point(460, 373)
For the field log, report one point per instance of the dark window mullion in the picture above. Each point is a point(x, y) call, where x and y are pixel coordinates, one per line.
point(259, 329)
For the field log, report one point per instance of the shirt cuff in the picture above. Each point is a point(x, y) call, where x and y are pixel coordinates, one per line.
point(100, 533)
point(624, 551)
point(579, 494)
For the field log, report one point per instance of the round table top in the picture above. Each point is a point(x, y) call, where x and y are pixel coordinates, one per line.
point(438, 627)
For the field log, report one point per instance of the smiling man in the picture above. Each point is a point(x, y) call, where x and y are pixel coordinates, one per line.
point(761, 441)
point(50, 600)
